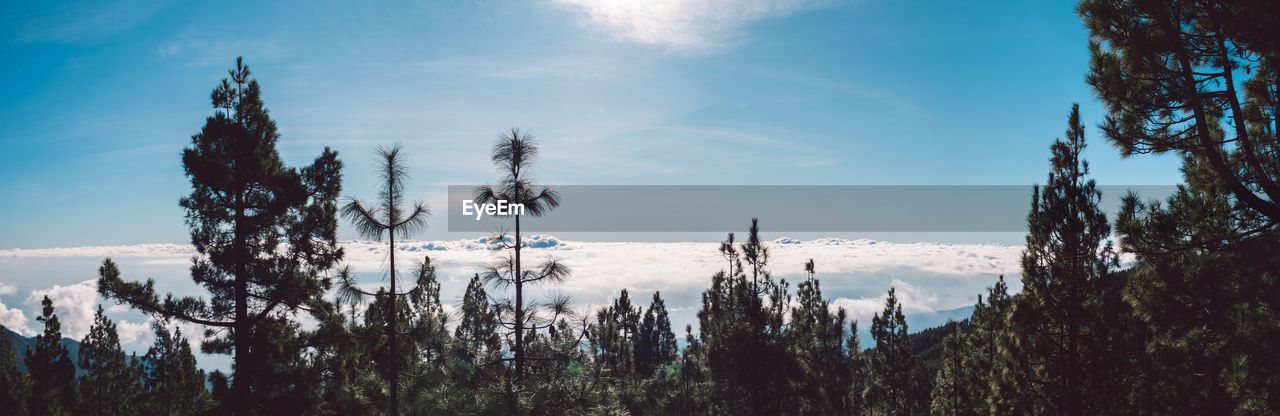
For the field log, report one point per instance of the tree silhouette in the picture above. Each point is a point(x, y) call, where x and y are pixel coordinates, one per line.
point(1170, 75)
point(107, 386)
point(265, 233)
point(174, 385)
point(15, 385)
point(373, 222)
point(52, 372)
point(513, 154)
point(1061, 268)
point(655, 343)
point(892, 386)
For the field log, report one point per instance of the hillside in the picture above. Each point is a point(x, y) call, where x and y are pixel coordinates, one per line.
point(21, 344)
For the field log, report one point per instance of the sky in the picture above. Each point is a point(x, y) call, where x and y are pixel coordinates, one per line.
point(100, 100)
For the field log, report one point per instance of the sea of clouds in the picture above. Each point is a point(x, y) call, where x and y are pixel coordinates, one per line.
point(931, 279)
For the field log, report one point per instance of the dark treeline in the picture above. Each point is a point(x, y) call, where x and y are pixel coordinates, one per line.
point(1187, 326)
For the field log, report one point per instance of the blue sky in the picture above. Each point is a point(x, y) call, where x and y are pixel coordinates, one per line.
point(99, 101)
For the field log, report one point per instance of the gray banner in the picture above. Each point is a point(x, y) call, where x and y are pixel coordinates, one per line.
point(803, 208)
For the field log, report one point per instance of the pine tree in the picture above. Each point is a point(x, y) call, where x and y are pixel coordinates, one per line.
point(52, 372)
point(856, 371)
point(952, 392)
point(992, 373)
point(244, 204)
point(614, 337)
point(107, 386)
point(373, 221)
point(1203, 288)
point(513, 153)
point(817, 335)
point(743, 337)
point(1064, 262)
point(174, 385)
point(477, 352)
point(655, 344)
point(476, 335)
point(15, 385)
point(892, 386)
point(1177, 75)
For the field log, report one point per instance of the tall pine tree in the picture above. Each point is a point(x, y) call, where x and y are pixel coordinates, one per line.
point(53, 374)
point(244, 206)
point(107, 386)
point(1062, 268)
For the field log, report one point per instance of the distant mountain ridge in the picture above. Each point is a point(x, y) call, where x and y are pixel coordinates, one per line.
point(21, 344)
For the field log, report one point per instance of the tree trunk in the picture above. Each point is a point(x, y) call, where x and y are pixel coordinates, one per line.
point(519, 347)
point(244, 368)
point(391, 322)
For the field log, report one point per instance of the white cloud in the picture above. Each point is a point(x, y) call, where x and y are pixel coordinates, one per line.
point(913, 300)
point(74, 305)
point(15, 320)
point(7, 289)
point(135, 333)
point(137, 250)
point(855, 274)
point(684, 24)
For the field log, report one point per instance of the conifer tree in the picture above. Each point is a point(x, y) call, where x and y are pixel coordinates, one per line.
point(373, 222)
point(174, 385)
point(952, 395)
point(107, 386)
point(513, 154)
point(477, 333)
point(893, 377)
point(856, 371)
point(743, 336)
point(1193, 77)
point(15, 385)
point(655, 343)
point(52, 372)
point(477, 353)
point(817, 334)
point(1064, 262)
point(614, 337)
point(990, 372)
point(1207, 305)
point(244, 206)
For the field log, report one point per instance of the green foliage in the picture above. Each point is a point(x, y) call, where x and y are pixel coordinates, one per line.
point(746, 347)
point(1063, 267)
point(655, 343)
point(174, 385)
point(513, 154)
point(243, 205)
point(895, 383)
point(53, 388)
point(1193, 77)
point(15, 385)
point(822, 373)
point(108, 386)
point(1206, 297)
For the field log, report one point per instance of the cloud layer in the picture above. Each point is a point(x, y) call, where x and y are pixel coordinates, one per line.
point(854, 275)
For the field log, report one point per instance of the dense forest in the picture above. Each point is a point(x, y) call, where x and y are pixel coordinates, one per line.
point(1189, 326)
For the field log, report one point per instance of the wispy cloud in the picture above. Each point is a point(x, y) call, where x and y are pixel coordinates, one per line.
point(219, 47)
point(7, 289)
point(77, 21)
point(684, 25)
